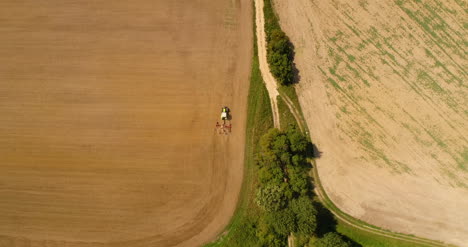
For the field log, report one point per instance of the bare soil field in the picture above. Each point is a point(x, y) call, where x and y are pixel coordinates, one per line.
point(107, 116)
point(383, 88)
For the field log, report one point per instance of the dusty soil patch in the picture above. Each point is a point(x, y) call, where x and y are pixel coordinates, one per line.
point(107, 113)
point(383, 89)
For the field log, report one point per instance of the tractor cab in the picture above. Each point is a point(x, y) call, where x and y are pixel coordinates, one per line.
point(224, 113)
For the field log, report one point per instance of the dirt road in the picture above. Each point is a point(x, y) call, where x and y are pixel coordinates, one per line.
point(107, 111)
point(268, 78)
point(388, 122)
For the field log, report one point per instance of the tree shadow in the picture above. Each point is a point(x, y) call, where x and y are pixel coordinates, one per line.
point(326, 222)
point(296, 74)
point(316, 152)
point(313, 152)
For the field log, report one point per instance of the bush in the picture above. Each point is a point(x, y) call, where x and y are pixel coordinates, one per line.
point(268, 155)
point(279, 56)
point(275, 141)
point(299, 181)
point(271, 198)
point(270, 175)
point(279, 148)
point(306, 215)
point(283, 221)
point(267, 236)
point(331, 239)
point(298, 142)
point(279, 48)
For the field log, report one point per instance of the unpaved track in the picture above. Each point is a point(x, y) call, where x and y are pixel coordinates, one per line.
point(107, 112)
point(419, 192)
point(268, 78)
point(294, 112)
point(270, 81)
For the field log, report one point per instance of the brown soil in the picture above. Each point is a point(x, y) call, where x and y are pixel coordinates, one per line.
point(385, 102)
point(107, 115)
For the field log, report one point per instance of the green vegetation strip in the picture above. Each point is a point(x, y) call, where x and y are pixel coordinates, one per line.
point(369, 239)
point(287, 119)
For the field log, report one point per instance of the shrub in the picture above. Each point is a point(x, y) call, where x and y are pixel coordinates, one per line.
point(267, 236)
point(271, 198)
point(267, 155)
point(299, 181)
point(283, 221)
point(298, 160)
point(306, 215)
point(298, 142)
point(279, 56)
point(270, 175)
point(279, 48)
point(282, 148)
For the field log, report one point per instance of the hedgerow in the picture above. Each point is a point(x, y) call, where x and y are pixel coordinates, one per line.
point(279, 48)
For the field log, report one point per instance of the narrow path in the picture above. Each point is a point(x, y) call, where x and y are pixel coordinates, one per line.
point(270, 81)
point(271, 86)
point(294, 112)
point(268, 78)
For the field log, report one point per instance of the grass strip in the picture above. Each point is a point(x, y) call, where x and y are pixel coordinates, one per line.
point(287, 119)
point(369, 239)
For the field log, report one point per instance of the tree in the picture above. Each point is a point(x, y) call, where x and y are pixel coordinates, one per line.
point(271, 198)
point(267, 155)
point(299, 180)
point(306, 215)
point(298, 142)
point(280, 144)
point(270, 175)
point(267, 236)
point(298, 160)
point(274, 149)
point(283, 221)
point(267, 139)
point(331, 239)
point(279, 56)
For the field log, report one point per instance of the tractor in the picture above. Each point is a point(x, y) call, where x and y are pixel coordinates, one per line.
point(225, 113)
point(225, 127)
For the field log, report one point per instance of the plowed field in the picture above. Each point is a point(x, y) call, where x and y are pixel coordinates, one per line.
point(107, 115)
